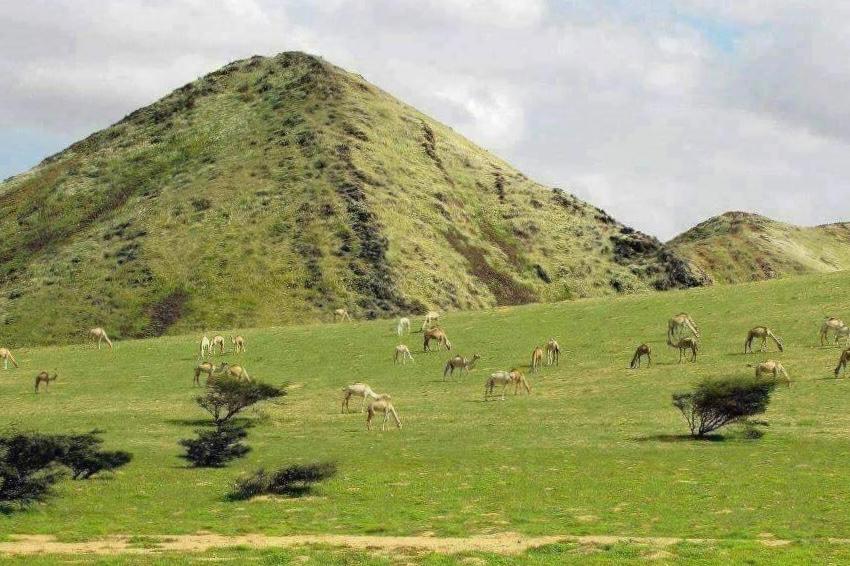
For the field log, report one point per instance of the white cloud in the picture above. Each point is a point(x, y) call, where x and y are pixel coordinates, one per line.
point(662, 115)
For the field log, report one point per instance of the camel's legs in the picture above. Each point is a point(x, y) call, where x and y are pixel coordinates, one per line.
point(5, 363)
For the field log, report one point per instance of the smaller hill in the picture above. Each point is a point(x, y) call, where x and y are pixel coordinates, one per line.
point(739, 246)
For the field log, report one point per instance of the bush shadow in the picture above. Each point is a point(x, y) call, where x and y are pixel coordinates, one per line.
point(679, 438)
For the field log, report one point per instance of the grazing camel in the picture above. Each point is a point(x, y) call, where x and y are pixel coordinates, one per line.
point(44, 378)
point(381, 404)
point(461, 363)
point(402, 353)
point(341, 314)
point(237, 371)
point(763, 333)
point(403, 326)
point(536, 359)
point(553, 352)
point(431, 317)
point(772, 367)
point(438, 336)
point(206, 350)
point(843, 332)
point(100, 334)
point(689, 343)
point(842, 361)
point(356, 390)
point(217, 342)
point(203, 367)
point(678, 323)
point(505, 378)
point(238, 343)
point(7, 357)
point(830, 324)
point(642, 350)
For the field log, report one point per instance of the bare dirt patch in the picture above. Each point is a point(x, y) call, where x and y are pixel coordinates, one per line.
point(498, 543)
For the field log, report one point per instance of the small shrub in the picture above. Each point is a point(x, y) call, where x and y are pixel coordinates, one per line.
point(293, 481)
point(214, 448)
point(83, 456)
point(225, 397)
point(717, 403)
point(30, 463)
point(29, 466)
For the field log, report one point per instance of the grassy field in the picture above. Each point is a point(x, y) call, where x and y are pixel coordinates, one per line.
point(594, 450)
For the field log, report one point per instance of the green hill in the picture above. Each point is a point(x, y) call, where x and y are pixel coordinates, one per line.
point(738, 246)
point(276, 189)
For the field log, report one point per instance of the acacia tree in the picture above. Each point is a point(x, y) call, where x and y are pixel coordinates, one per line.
point(717, 403)
point(225, 397)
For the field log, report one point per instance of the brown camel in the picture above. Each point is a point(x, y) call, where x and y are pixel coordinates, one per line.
point(773, 368)
point(536, 359)
point(553, 352)
point(842, 361)
point(689, 343)
point(461, 363)
point(383, 405)
point(830, 324)
point(763, 333)
point(45, 378)
point(642, 350)
point(437, 335)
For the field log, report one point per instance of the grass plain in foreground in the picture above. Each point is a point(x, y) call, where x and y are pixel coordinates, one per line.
point(596, 449)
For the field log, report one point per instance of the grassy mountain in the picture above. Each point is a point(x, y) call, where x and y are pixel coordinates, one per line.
point(738, 246)
point(276, 189)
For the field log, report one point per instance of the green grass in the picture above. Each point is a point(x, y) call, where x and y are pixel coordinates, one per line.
point(591, 451)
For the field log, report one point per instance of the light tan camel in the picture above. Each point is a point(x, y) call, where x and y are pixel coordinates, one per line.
point(460, 363)
point(677, 324)
point(772, 367)
point(217, 342)
point(830, 324)
point(402, 354)
point(356, 390)
point(44, 378)
point(237, 371)
point(553, 352)
point(642, 350)
point(205, 347)
point(689, 343)
point(238, 343)
point(763, 333)
point(203, 367)
point(437, 335)
point(505, 378)
point(843, 361)
point(403, 326)
point(7, 357)
point(536, 359)
point(431, 317)
point(341, 314)
point(100, 334)
point(382, 404)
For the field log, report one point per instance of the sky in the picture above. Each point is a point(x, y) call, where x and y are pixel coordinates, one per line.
point(663, 113)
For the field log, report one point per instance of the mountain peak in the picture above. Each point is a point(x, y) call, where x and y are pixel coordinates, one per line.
point(276, 189)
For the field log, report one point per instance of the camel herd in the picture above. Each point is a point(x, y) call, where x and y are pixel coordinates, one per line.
point(682, 322)
point(683, 335)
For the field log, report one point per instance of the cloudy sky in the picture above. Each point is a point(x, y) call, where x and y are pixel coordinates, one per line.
point(663, 113)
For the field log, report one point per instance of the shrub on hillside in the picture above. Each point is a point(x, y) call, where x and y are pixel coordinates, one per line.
point(225, 397)
point(293, 481)
point(717, 403)
point(214, 448)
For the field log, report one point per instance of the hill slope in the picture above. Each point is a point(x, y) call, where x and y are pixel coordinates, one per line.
point(738, 246)
point(275, 189)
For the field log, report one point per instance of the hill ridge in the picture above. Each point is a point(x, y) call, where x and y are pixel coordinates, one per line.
point(276, 189)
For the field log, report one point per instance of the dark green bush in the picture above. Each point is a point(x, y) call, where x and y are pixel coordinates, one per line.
point(225, 396)
point(30, 463)
point(83, 456)
point(293, 481)
point(717, 403)
point(215, 447)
